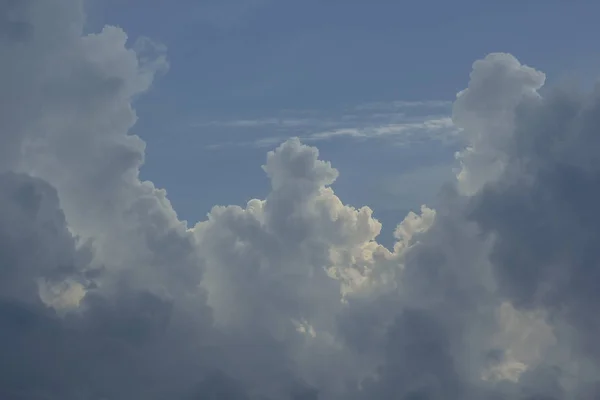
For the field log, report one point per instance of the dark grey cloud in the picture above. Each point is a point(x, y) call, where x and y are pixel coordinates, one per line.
point(497, 299)
point(542, 213)
point(106, 294)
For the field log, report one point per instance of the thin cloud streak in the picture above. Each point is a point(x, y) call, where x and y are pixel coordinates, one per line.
point(259, 122)
point(369, 111)
point(438, 129)
point(402, 104)
point(430, 125)
point(404, 122)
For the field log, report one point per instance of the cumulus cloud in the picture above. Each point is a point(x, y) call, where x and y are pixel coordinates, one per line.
point(106, 294)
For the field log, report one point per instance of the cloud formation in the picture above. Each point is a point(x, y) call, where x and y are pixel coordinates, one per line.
point(402, 123)
point(106, 294)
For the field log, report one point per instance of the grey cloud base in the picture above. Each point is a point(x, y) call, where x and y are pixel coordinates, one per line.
point(106, 294)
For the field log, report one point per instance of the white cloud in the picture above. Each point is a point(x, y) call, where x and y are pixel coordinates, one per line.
point(441, 129)
point(403, 104)
point(261, 122)
point(105, 293)
point(403, 123)
point(406, 132)
point(488, 121)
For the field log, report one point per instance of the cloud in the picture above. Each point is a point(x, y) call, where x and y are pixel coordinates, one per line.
point(406, 132)
point(438, 129)
point(541, 209)
point(404, 104)
point(260, 122)
point(402, 123)
point(106, 294)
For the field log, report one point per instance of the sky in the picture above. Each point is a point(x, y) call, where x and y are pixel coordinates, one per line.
point(242, 71)
point(260, 200)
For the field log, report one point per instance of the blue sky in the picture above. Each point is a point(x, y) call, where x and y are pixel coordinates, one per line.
point(369, 82)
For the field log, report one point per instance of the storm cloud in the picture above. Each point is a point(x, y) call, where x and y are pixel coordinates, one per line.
point(106, 294)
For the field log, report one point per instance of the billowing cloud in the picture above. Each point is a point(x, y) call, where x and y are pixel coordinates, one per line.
point(106, 294)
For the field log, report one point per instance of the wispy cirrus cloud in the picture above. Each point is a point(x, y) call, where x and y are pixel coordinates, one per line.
point(403, 104)
point(435, 128)
point(258, 122)
point(402, 122)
